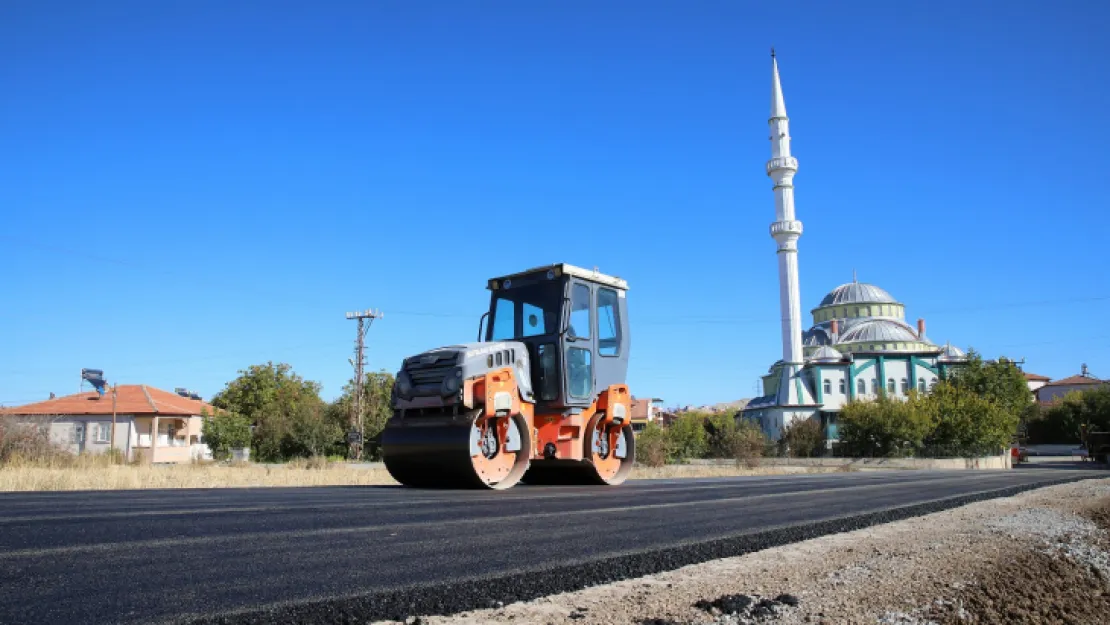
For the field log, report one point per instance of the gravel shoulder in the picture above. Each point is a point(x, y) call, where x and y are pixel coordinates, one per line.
point(1039, 557)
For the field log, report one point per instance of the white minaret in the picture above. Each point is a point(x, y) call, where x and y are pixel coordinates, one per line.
point(785, 229)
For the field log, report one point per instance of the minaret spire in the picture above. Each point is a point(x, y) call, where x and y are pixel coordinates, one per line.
point(785, 229)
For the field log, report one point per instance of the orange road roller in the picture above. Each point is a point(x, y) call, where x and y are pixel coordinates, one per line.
point(540, 398)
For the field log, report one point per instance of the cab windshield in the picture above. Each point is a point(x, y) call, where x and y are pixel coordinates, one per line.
point(524, 311)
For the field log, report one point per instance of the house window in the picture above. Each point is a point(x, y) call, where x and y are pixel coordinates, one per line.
point(828, 387)
point(861, 387)
point(905, 386)
point(842, 387)
point(101, 433)
point(921, 385)
point(890, 385)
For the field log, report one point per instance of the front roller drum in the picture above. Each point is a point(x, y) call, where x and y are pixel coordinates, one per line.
point(479, 452)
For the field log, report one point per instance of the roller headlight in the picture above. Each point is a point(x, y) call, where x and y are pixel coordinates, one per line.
point(451, 383)
point(404, 385)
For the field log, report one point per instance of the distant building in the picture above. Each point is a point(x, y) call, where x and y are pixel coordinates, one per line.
point(156, 425)
point(644, 411)
point(1035, 381)
point(1053, 391)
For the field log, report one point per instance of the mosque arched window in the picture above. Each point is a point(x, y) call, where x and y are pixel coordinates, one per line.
point(842, 387)
point(876, 386)
point(861, 387)
point(828, 387)
point(857, 311)
point(905, 386)
point(890, 386)
point(921, 385)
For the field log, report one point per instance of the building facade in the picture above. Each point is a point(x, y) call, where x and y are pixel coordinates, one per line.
point(859, 346)
point(150, 425)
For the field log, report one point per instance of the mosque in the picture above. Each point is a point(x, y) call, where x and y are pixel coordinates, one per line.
point(860, 345)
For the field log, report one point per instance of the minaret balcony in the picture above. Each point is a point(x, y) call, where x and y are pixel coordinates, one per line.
point(782, 162)
point(792, 226)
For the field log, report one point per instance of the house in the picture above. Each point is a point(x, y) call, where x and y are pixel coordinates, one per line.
point(1035, 381)
point(151, 425)
point(1055, 390)
point(644, 411)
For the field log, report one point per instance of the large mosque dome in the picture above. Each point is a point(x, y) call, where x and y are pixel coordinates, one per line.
point(857, 293)
point(863, 318)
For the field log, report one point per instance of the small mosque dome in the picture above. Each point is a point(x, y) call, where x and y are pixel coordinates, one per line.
point(826, 354)
point(951, 353)
point(878, 331)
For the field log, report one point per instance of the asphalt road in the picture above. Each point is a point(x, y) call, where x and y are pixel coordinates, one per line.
point(339, 554)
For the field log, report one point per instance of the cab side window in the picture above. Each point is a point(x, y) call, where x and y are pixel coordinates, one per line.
point(608, 323)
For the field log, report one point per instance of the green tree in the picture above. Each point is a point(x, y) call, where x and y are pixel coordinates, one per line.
point(687, 436)
point(804, 439)
point(226, 431)
point(884, 427)
point(276, 401)
point(652, 446)
point(966, 423)
point(1000, 382)
point(1061, 422)
point(377, 392)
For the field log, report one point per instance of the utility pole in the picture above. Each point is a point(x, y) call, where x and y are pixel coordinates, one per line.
point(355, 441)
point(112, 442)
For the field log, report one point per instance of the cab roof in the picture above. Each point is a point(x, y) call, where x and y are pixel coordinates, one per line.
point(570, 270)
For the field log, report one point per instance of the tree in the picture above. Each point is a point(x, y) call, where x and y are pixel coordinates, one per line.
point(687, 437)
point(377, 393)
point(804, 438)
point(884, 427)
point(966, 423)
point(1001, 382)
point(652, 446)
point(1061, 422)
point(226, 431)
point(276, 401)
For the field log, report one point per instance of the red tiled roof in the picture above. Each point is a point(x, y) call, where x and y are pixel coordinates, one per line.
point(131, 399)
point(1034, 376)
point(1076, 379)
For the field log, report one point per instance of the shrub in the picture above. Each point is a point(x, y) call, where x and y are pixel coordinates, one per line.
point(747, 444)
point(27, 442)
point(652, 446)
point(803, 439)
point(226, 431)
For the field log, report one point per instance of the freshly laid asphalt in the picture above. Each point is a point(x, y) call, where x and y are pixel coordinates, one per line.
point(354, 554)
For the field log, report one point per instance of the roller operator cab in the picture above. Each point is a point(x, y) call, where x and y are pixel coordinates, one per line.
point(540, 398)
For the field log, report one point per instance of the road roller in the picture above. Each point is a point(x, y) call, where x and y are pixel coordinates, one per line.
point(540, 397)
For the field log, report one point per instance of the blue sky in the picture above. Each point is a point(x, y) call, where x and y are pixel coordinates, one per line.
point(191, 188)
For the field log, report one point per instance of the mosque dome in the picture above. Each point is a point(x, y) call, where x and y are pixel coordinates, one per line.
point(878, 331)
point(951, 353)
point(826, 354)
point(857, 293)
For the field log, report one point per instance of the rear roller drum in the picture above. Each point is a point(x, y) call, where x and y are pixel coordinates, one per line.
point(482, 452)
point(611, 449)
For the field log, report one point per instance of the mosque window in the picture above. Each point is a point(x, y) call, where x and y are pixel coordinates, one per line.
point(861, 387)
point(932, 384)
point(868, 311)
point(890, 386)
point(905, 386)
point(921, 385)
point(876, 388)
point(828, 387)
point(842, 387)
point(857, 311)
